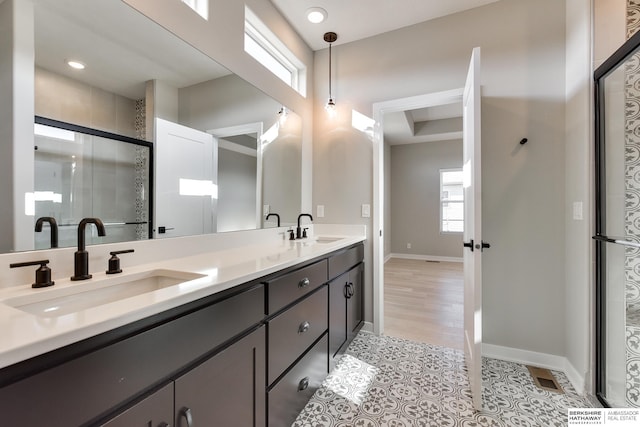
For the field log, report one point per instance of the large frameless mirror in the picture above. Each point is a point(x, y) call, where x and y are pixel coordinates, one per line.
point(136, 73)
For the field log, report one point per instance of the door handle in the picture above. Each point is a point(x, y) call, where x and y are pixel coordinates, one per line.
point(163, 229)
point(483, 245)
point(617, 240)
point(468, 244)
point(348, 290)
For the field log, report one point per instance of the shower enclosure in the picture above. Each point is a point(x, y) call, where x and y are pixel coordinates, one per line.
point(82, 172)
point(617, 227)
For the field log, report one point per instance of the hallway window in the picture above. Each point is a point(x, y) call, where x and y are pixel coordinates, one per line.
point(451, 201)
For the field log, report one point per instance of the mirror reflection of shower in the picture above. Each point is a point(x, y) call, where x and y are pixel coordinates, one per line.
point(75, 172)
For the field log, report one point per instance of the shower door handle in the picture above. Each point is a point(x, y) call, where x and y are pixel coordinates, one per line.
point(617, 240)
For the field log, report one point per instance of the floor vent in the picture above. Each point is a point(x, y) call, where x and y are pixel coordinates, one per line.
point(544, 379)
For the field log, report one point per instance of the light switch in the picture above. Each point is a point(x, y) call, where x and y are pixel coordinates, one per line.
point(366, 211)
point(320, 211)
point(577, 211)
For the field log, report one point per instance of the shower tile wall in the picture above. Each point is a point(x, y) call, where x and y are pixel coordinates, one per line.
point(632, 211)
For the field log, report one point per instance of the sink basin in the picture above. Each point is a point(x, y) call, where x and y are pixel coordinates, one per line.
point(61, 301)
point(327, 239)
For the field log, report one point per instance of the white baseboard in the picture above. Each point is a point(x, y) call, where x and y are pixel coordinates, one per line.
point(387, 258)
point(367, 327)
point(425, 257)
point(542, 360)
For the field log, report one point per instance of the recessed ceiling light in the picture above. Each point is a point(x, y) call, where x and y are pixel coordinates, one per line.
point(316, 15)
point(75, 64)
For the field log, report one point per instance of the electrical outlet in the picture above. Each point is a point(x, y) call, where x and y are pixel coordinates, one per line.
point(320, 211)
point(577, 211)
point(408, 245)
point(366, 211)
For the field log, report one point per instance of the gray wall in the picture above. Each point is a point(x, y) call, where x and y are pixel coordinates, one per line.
point(236, 191)
point(523, 75)
point(61, 98)
point(223, 102)
point(231, 101)
point(415, 198)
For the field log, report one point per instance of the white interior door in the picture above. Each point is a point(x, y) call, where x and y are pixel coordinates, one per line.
point(185, 181)
point(473, 228)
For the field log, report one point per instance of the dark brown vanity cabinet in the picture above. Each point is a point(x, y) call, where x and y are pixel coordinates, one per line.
point(346, 300)
point(251, 356)
point(297, 342)
point(96, 381)
point(154, 411)
point(227, 389)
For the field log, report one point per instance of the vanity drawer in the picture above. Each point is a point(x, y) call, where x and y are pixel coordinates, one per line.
point(287, 398)
point(285, 289)
point(343, 261)
point(293, 331)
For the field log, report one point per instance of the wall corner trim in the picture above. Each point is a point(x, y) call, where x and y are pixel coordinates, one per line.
point(542, 360)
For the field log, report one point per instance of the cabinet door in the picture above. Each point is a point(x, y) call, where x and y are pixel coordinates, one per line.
point(154, 411)
point(354, 296)
point(337, 313)
point(226, 390)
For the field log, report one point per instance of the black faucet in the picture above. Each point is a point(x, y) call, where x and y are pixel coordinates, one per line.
point(274, 214)
point(298, 229)
point(81, 257)
point(53, 225)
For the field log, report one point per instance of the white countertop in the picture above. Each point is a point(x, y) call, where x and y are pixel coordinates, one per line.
point(25, 335)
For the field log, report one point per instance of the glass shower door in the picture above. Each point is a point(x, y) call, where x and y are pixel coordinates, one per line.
point(618, 227)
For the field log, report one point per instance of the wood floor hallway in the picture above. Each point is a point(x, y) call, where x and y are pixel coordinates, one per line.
point(424, 301)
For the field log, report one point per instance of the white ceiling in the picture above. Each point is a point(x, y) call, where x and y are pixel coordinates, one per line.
point(358, 19)
point(436, 123)
point(121, 48)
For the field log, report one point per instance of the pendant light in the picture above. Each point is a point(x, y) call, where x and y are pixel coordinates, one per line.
point(330, 37)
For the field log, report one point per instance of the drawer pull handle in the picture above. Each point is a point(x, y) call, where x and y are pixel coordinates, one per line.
point(163, 424)
point(304, 282)
point(186, 412)
point(303, 384)
point(304, 327)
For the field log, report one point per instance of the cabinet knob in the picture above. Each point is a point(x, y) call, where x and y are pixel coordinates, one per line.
point(186, 413)
point(304, 283)
point(303, 384)
point(304, 327)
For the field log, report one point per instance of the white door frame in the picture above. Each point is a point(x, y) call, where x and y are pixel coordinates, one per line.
point(247, 128)
point(379, 110)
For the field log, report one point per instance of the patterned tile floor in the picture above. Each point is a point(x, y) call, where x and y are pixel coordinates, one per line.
point(386, 381)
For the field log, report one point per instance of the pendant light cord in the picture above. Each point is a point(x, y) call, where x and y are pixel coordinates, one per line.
point(330, 94)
